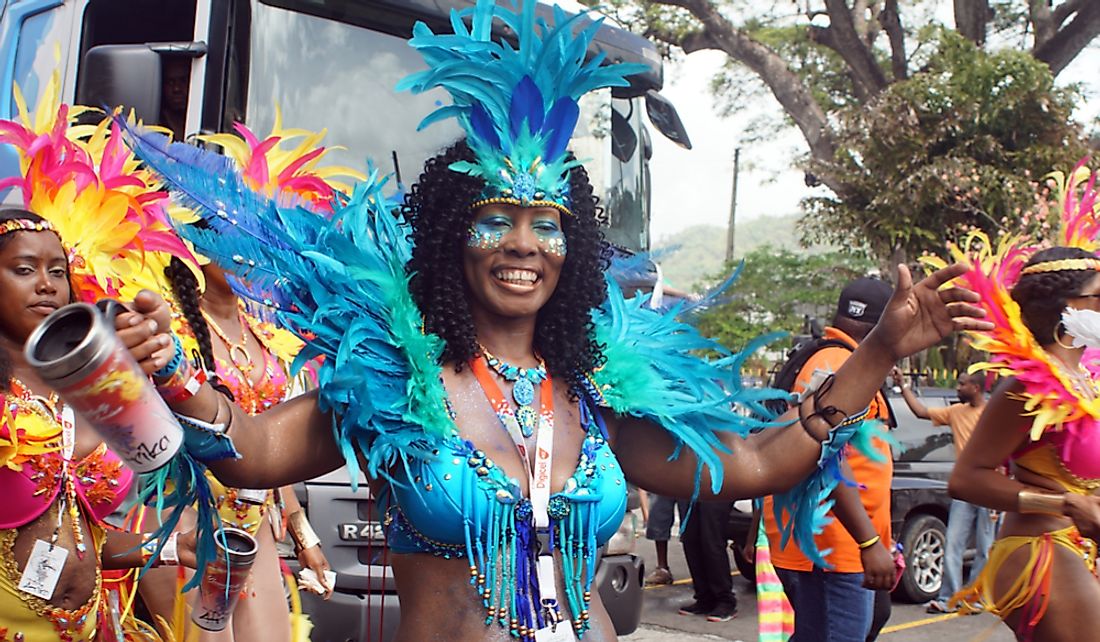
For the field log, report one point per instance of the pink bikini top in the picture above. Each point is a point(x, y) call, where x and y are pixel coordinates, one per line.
point(1069, 458)
point(33, 470)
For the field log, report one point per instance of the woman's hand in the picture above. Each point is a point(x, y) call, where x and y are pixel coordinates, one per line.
point(185, 548)
point(919, 315)
point(144, 328)
point(314, 559)
point(1084, 510)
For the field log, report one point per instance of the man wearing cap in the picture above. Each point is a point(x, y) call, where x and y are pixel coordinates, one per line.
point(837, 604)
point(964, 519)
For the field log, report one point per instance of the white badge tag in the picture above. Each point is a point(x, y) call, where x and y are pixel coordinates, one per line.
point(43, 569)
point(563, 632)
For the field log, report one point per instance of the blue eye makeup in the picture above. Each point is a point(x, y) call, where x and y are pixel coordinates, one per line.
point(487, 233)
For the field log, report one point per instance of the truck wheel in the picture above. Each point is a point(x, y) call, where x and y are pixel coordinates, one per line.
point(924, 542)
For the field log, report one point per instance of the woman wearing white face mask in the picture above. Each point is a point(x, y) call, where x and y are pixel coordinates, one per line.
point(1040, 577)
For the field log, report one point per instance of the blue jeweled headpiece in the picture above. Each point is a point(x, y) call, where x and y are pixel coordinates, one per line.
point(518, 106)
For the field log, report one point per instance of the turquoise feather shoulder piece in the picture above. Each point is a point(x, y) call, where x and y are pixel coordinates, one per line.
point(654, 371)
point(339, 283)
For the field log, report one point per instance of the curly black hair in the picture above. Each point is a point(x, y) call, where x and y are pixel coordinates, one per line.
point(1042, 297)
point(9, 214)
point(438, 209)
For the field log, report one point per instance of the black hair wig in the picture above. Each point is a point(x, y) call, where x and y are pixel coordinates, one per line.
point(1042, 296)
point(438, 208)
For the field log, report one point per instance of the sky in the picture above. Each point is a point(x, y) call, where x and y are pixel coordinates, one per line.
point(692, 187)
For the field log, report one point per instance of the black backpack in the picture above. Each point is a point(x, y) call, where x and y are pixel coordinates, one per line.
point(797, 357)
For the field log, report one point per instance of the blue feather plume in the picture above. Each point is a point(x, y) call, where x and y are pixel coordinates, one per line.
point(518, 106)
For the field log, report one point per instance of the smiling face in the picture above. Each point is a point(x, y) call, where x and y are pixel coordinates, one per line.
point(34, 281)
point(513, 259)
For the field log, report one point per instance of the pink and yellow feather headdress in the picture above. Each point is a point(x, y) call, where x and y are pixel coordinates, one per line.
point(1051, 400)
point(88, 185)
point(286, 172)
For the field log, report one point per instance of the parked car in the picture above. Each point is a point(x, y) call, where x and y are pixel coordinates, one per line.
point(919, 502)
point(365, 608)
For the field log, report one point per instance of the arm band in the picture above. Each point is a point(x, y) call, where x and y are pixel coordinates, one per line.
point(1043, 502)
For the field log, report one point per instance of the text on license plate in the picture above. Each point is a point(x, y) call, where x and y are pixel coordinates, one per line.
point(360, 531)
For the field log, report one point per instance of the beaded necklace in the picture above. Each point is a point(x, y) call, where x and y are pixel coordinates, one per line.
point(532, 608)
point(523, 382)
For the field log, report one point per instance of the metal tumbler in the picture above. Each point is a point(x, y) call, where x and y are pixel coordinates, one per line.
point(224, 578)
point(76, 351)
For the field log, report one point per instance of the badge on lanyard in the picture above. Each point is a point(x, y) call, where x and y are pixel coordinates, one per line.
point(43, 569)
point(562, 632)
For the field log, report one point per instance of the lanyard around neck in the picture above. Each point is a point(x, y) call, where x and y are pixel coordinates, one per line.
point(539, 475)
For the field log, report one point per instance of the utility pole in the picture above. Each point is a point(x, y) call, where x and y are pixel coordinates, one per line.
point(733, 206)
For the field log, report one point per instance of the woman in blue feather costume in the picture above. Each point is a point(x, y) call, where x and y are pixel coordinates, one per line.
point(496, 389)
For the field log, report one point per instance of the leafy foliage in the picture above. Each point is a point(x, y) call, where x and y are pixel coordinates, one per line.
point(952, 148)
point(777, 289)
point(916, 127)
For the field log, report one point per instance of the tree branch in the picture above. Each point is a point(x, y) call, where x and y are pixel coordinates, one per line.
point(690, 42)
point(792, 93)
point(890, 20)
point(971, 18)
point(1067, 9)
point(851, 48)
point(1066, 42)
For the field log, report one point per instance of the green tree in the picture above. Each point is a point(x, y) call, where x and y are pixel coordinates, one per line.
point(915, 127)
point(777, 289)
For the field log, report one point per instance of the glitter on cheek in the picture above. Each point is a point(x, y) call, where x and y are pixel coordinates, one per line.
point(555, 246)
point(483, 240)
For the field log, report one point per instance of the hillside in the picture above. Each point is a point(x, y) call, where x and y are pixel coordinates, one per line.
point(698, 252)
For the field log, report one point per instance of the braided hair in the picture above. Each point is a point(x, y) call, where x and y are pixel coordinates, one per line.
point(1042, 296)
point(185, 287)
point(438, 209)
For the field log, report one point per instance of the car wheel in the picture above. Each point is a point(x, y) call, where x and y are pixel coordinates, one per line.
point(924, 541)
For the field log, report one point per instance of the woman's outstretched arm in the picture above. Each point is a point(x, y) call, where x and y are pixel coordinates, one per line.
point(292, 442)
point(917, 316)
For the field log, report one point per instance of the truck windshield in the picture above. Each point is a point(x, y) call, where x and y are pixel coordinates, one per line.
point(325, 73)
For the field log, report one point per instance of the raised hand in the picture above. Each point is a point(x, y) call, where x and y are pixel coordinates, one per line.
point(920, 315)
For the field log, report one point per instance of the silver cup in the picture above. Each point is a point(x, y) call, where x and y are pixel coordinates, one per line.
point(224, 578)
point(76, 351)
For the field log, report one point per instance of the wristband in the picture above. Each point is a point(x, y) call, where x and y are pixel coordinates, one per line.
point(174, 363)
point(1046, 503)
point(208, 442)
point(869, 543)
point(169, 553)
point(182, 383)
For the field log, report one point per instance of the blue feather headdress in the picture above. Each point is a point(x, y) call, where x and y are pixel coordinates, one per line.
point(518, 106)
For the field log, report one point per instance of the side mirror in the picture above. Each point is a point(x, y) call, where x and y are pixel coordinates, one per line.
point(624, 142)
point(122, 75)
point(130, 75)
point(662, 114)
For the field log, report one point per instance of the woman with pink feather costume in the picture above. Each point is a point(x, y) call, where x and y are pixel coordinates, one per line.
point(1045, 305)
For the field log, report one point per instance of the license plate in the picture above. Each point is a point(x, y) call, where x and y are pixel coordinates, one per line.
point(360, 531)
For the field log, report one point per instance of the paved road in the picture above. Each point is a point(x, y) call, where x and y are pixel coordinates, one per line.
point(908, 622)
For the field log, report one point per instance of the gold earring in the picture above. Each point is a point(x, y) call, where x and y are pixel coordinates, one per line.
point(1058, 337)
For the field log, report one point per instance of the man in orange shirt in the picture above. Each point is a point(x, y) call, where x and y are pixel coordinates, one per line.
point(836, 604)
point(963, 519)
